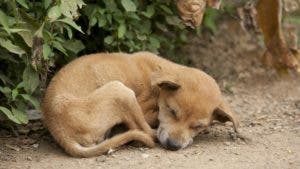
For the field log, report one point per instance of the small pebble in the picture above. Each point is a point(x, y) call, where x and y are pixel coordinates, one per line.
point(227, 143)
point(29, 158)
point(35, 145)
point(145, 155)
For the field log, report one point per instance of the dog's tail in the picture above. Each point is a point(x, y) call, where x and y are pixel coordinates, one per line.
point(75, 149)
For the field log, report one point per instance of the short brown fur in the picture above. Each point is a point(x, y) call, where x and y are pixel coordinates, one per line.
point(92, 94)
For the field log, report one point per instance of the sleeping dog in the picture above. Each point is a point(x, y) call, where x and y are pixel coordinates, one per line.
point(94, 93)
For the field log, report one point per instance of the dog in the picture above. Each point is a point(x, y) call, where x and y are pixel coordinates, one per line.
point(142, 91)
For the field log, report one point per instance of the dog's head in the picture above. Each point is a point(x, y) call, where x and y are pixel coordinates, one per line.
point(188, 103)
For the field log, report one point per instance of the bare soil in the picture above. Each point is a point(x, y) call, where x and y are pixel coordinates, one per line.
point(268, 105)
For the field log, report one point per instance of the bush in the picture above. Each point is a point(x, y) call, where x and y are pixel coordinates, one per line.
point(40, 36)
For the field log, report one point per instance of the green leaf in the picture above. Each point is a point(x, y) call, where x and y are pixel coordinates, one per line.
point(57, 45)
point(23, 3)
point(161, 26)
point(101, 10)
point(39, 32)
point(108, 40)
point(93, 21)
point(109, 18)
point(31, 79)
point(9, 115)
point(209, 20)
point(101, 21)
point(110, 5)
point(16, 30)
point(71, 23)
point(14, 94)
point(141, 37)
point(166, 9)
point(133, 16)
point(154, 42)
point(7, 44)
point(32, 100)
point(20, 85)
point(121, 31)
point(149, 11)
point(74, 46)
point(129, 5)
point(27, 37)
point(4, 21)
point(21, 116)
point(6, 91)
point(54, 13)
point(173, 20)
point(47, 3)
point(119, 17)
point(46, 51)
point(69, 30)
point(70, 7)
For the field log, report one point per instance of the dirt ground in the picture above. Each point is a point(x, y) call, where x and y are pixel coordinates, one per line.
point(268, 106)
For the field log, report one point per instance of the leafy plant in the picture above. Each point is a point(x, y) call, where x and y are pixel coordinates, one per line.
point(39, 36)
point(32, 38)
point(129, 25)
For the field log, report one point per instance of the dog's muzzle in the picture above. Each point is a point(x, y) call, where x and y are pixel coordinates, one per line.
point(172, 145)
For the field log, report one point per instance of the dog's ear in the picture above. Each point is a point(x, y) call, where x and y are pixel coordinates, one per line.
point(164, 81)
point(223, 114)
point(214, 3)
point(168, 85)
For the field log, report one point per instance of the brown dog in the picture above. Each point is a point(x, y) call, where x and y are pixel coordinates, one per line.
point(94, 93)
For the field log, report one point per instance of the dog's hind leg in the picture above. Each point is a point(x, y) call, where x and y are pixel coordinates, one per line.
point(130, 109)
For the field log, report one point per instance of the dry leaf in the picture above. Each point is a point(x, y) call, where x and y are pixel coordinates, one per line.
point(291, 5)
point(191, 11)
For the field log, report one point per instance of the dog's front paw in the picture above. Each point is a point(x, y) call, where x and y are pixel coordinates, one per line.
point(151, 143)
point(153, 134)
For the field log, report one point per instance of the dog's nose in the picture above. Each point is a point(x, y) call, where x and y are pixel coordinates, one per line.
point(172, 145)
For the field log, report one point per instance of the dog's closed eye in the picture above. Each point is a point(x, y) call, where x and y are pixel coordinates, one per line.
point(174, 113)
point(197, 126)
